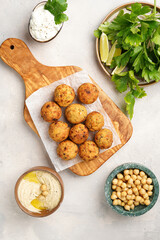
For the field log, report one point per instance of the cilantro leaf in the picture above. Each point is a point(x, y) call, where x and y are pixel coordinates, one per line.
point(57, 7)
point(121, 81)
point(97, 33)
point(130, 101)
point(133, 39)
point(156, 36)
point(123, 59)
point(138, 9)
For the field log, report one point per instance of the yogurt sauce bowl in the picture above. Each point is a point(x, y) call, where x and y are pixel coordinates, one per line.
point(39, 191)
point(42, 27)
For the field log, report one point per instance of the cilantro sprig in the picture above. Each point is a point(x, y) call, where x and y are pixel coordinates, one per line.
point(57, 8)
point(137, 33)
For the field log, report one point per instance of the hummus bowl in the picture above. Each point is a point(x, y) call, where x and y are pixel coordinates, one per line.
point(39, 191)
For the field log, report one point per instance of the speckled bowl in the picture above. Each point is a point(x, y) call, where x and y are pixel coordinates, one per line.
point(138, 210)
point(43, 213)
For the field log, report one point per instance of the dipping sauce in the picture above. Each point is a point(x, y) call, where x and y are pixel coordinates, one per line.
point(42, 26)
point(39, 190)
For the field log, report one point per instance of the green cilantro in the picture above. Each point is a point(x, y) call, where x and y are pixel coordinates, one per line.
point(137, 33)
point(57, 8)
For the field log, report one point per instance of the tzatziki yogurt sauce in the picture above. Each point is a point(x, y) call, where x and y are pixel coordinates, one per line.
point(42, 26)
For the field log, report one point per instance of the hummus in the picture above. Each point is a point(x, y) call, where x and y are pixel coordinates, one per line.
point(31, 193)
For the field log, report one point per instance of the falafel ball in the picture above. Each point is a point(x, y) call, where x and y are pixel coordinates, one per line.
point(67, 150)
point(51, 112)
point(76, 113)
point(94, 121)
point(64, 95)
point(104, 138)
point(58, 131)
point(88, 151)
point(78, 133)
point(88, 93)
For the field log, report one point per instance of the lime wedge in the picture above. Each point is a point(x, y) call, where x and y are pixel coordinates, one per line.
point(114, 52)
point(31, 177)
point(37, 204)
point(104, 47)
point(118, 70)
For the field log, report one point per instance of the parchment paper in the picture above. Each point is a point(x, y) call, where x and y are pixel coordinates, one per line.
point(45, 94)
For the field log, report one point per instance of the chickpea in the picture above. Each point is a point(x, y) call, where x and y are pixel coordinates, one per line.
point(142, 201)
point(137, 182)
point(119, 182)
point(115, 202)
point(113, 196)
point(139, 178)
point(130, 202)
point(137, 193)
point(145, 176)
point(118, 194)
point(133, 196)
point(143, 181)
point(145, 186)
point(150, 187)
point(123, 185)
point(138, 198)
point(142, 174)
point(147, 202)
point(142, 191)
point(145, 195)
point(149, 180)
point(129, 185)
point(133, 185)
point(114, 192)
point(115, 181)
point(125, 189)
point(123, 199)
point(127, 207)
point(134, 177)
point(130, 181)
point(119, 176)
point(43, 187)
point(136, 203)
point(118, 189)
point(126, 172)
point(119, 202)
point(135, 190)
point(127, 177)
point(130, 171)
point(122, 204)
point(129, 197)
point(129, 191)
point(139, 187)
point(45, 193)
point(114, 187)
point(132, 206)
point(124, 194)
point(136, 171)
point(150, 193)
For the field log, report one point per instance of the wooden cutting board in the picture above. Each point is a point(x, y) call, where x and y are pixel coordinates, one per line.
point(17, 55)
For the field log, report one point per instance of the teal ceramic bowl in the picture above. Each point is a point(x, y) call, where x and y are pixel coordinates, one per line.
point(138, 210)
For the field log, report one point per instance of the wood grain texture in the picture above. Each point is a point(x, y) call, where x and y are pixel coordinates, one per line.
point(17, 55)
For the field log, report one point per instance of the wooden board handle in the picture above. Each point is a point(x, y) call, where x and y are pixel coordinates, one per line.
point(17, 55)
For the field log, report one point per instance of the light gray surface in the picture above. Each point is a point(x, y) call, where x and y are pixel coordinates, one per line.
point(84, 213)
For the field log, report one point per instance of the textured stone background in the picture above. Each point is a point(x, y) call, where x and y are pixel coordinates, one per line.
point(84, 213)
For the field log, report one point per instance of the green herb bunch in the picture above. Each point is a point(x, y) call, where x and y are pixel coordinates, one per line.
point(57, 8)
point(137, 34)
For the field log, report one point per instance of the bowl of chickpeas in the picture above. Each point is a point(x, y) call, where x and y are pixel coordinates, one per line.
point(131, 189)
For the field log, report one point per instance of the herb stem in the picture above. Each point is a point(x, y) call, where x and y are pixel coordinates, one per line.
point(154, 10)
